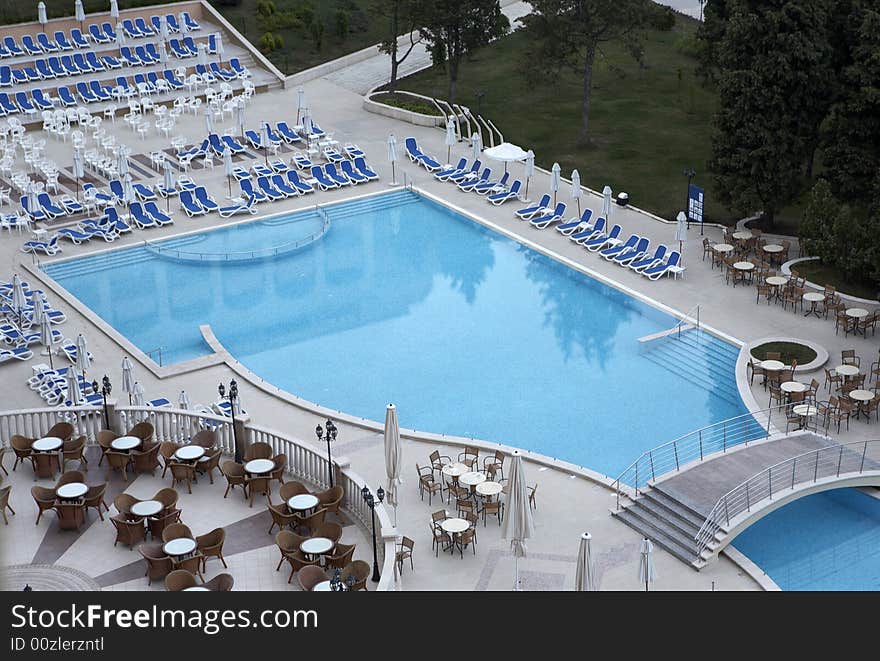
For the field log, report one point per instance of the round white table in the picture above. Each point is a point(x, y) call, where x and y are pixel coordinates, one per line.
point(743, 235)
point(744, 266)
point(71, 490)
point(773, 248)
point(861, 395)
point(47, 444)
point(489, 488)
point(856, 314)
point(302, 502)
point(455, 469)
point(196, 588)
point(179, 546)
point(776, 281)
point(772, 365)
point(472, 478)
point(189, 452)
point(323, 586)
point(147, 508)
point(846, 370)
point(722, 247)
point(124, 443)
point(813, 298)
point(793, 386)
point(259, 466)
point(316, 545)
point(455, 525)
point(805, 410)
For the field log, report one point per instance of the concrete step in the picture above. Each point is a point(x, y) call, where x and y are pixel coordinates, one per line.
point(668, 515)
point(675, 506)
point(647, 528)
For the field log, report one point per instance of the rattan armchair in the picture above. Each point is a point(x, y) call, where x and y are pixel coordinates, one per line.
point(168, 497)
point(205, 438)
point(331, 498)
point(176, 531)
point(117, 461)
point(310, 576)
point(45, 464)
point(464, 539)
point(235, 476)
point(428, 483)
point(105, 438)
point(297, 560)
point(179, 580)
point(328, 529)
point(142, 430)
point(220, 583)
point(158, 564)
point(146, 460)
point(191, 563)
point(182, 472)
point(469, 456)
point(342, 556)
point(166, 453)
point(70, 514)
point(94, 498)
point(277, 473)
point(358, 569)
point(258, 484)
point(4, 502)
point(281, 516)
point(128, 532)
point(21, 446)
point(73, 451)
point(311, 521)
point(210, 463)
point(496, 460)
point(290, 489)
point(70, 477)
point(288, 543)
point(44, 498)
point(258, 450)
point(157, 524)
point(62, 430)
point(123, 503)
point(211, 545)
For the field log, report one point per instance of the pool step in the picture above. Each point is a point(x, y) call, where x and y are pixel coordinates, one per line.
point(78, 267)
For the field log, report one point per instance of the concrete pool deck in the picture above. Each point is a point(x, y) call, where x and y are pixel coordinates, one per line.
point(567, 505)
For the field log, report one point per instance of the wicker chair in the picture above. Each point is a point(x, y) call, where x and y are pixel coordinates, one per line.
point(464, 539)
point(159, 565)
point(360, 570)
point(235, 476)
point(312, 521)
point(849, 357)
point(182, 472)
point(258, 451)
point(342, 556)
point(105, 438)
point(45, 464)
point(331, 498)
point(94, 498)
point(176, 531)
point(117, 461)
point(123, 503)
point(288, 543)
point(297, 561)
point(142, 430)
point(191, 563)
point(211, 462)
point(147, 460)
point(277, 473)
point(211, 545)
point(310, 576)
point(205, 438)
point(496, 460)
point(128, 532)
point(330, 530)
point(168, 497)
point(166, 452)
point(62, 430)
point(21, 446)
point(44, 498)
point(4, 502)
point(70, 477)
point(70, 515)
point(73, 451)
point(469, 456)
point(180, 579)
point(843, 412)
point(258, 484)
point(492, 507)
point(220, 583)
point(404, 551)
point(281, 516)
point(290, 489)
point(428, 483)
point(158, 524)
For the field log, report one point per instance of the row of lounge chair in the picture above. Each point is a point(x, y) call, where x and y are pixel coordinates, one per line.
point(24, 317)
point(417, 156)
point(12, 335)
point(471, 179)
point(97, 34)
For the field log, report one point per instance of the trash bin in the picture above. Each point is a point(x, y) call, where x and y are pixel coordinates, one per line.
point(622, 199)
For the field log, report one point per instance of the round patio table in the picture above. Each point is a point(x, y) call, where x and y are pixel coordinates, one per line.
point(814, 298)
point(147, 508)
point(472, 478)
point(776, 281)
point(196, 588)
point(189, 452)
point(259, 466)
point(722, 247)
point(793, 386)
point(302, 502)
point(125, 443)
point(323, 586)
point(489, 488)
point(744, 266)
point(455, 469)
point(846, 370)
point(861, 397)
point(316, 546)
point(71, 491)
point(773, 248)
point(454, 525)
point(857, 314)
point(180, 546)
point(772, 365)
point(805, 410)
point(743, 235)
point(47, 444)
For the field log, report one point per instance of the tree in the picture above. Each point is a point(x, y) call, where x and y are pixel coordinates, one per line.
point(453, 28)
point(569, 33)
point(403, 19)
point(709, 35)
point(773, 86)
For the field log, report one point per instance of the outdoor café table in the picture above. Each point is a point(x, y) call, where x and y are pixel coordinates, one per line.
point(489, 488)
point(180, 546)
point(776, 281)
point(771, 366)
point(861, 397)
point(302, 502)
point(147, 508)
point(743, 235)
point(323, 586)
point(722, 247)
point(196, 588)
point(189, 452)
point(857, 314)
point(259, 466)
point(773, 248)
point(47, 444)
point(125, 443)
point(744, 268)
point(454, 526)
point(315, 546)
point(846, 371)
point(472, 478)
point(814, 298)
point(455, 470)
point(804, 411)
point(71, 491)
point(793, 386)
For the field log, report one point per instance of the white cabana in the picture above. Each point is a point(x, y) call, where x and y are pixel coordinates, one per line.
point(507, 153)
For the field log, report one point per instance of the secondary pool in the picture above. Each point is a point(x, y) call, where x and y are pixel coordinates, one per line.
point(403, 300)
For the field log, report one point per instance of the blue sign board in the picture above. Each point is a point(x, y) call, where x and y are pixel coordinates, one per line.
point(695, 203)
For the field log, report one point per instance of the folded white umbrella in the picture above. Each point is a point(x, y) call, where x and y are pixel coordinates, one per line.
point(183, 400)
point(681, 234)
point(79, 12)
point(128, 189)
point(264, 140)
point(181, 22)
point(647, 571)
point(46, 338)
point(393, 456)
point(228, 168)
point(606, 205)
point(392, 156)
point(82, 355)
point(209, 119)
point(74, 394)
point(38, 303)
point(300, 101)
point(585, 578)
point(137, 394)
point(529, 170)
point(114, 8)
point(163, 52)
point(239, 116)
point(18, 298)
point(476, 146)
point(576, 189)
point(518, 524)
point(168, 182)
point(307, 123)
point(555, 180)
point(122, 162)
point(41, 14)
point(163, 28)
point(203, 54)
point(218, 41)
point(127, 377)
point(451, 138)
point(121, 39)
point(78, 169)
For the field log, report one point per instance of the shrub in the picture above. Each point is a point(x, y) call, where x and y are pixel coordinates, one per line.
point(270, 42)
point(340, 22)
point(661, 17)
point(265, 8)
point(317, 31)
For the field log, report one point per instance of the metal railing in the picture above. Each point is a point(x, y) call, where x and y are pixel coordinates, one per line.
point(833, 461)
point(157, 350)
point(696, 445)
point(688, 318)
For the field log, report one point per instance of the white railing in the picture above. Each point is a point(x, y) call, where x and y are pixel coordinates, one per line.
point(303, 461)
point(834, 461)
point(34, 423)
point(696, 445)
point(178, 425)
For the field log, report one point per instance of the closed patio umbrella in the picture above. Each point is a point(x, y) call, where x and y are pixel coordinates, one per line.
point(393, 456)
point(476, 146)
point(585, 579)
point(163, 52)
point(647, 571)
point(74, 393)
point(184, 26)
point(307, 123)
point(168, 182)
point(79, 12)
point(450, 138)
point(518, 525)
point(392, 156)
point(554, 180)
point(121, 162)
point(681, 234)
point(239, 116)
point(114, 8)
point(228, 168)
point(18, 298)
point(209, 119)
point(264, 140)
point(529, 170)
point(606, 205)
point(46, 339)
point(576, 189)
point(183, 400)
point(82, 355)
point(218, 41)
point(163, 28)
point(37, 301)
point(203, 54)
point(137, 394)
point(300, 101)
point(41, 14)
point(78, 170)
point(127, 377)
point(128, 189)
point(121, 39)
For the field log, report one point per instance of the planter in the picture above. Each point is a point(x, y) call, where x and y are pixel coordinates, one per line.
point(417, 118)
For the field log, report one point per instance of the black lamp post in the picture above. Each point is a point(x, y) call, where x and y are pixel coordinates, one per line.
point(106, 388)
point(233, 395)
point(338, 585)
point(371, 503)
point(690, 173)
point(332, 431)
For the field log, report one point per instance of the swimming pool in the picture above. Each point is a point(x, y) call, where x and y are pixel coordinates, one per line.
point(404, 300)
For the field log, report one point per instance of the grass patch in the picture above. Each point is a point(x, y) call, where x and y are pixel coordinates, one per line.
point(407, 102)
point(790, 351)
point(821, 274)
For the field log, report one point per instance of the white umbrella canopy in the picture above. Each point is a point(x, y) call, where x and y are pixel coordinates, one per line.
point(606, 204)
point(163, 28)
point(681, 233)
point(476, 146)
point(114, 8)
point(451, 138)
point(18, 298)
point(74, 393)
point(79, 11)
point(518, 524)
point(168, 182)
point(39, 310)
point(46, 337)
point(181, 22)
point(78, 169)
point(209, 119)
point(585, 578)
point(127, 377)
point(307, 123)
point(264, 140)
point(555, 174)
point(218, 40)
point(163, 52)
point(576, 189)
point(507, 153)
point(82, 355)
point(122, 161)
point(203, 54)
point(41, 13)
point(392, 156)
point(647, 571)
point(183, 400)
point(393, 456)
point(128, 189)
point(137, 394)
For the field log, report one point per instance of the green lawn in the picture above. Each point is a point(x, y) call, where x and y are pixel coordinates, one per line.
point(820, 274)
point(789, 350)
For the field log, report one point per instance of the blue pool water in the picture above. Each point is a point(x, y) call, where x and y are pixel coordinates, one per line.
point(403, 300)
point(827, 541)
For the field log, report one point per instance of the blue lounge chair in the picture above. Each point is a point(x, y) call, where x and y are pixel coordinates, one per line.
point(206, 201)
point(128, 27)
point(4, 52)
point(575, 226)
point(49, 247)
point(144, 56)
point(140, 217)
point(417, 156)
point(156, 22)
point(323, 182)
point(107, 29)
point(492, 186)
point(273, 137)
point(55, 66)
point(216, 144)
point(262, 170)
point(12, 47)
point(545, 220)
point(6, 103)
point(290, 136)
point(511, 194)
point(189, 204)
point(66, 97)
point(153, 52)
point(253, 138)
point(146, 30)
point(100, 196)
point(602, 240)
point(530, 212)
point(51, 209)
point(190, 21)
point(248, 206)
point(73, 235)
point(117, 190)
point(97, 35)
point(443, 175)
point(194, 151)
point(610, 252)
point(593, 231)
point(348, 171)
point(632, 254)
point(185, 183)
point(40, 100)
point(5, 76)
point(144, 193)
point(172, 80)
point(31, 73)
point(339, 179)
point(221, 73)
point(279, 183)
point(16, 353)
point(240, 70)
point(27, 41)
point(47, 44)
point(468, 184)
point(69, 66)
point(78, 38)
point(354, 151)
point(247, 187)
point(19, 77)
point(85, 93)
point(232, 144)
point(131, 59)
point(108, 61)
point(157, 214)
point(61, 40)
point(302, 161)
point(114, 221)
point(654, 272)
point(30, 209)
point(333, 156)
point(361, 166)
point(271, 192)
point(173, 25)
point(79, 60)
point(296, 182)
point(43, 69)
point(177, 49)
point(100, 91)
point(71, 205)
point(466, 174)
point(649, 261)
point(190, 44)
point(278, 166)
point(240, 173)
